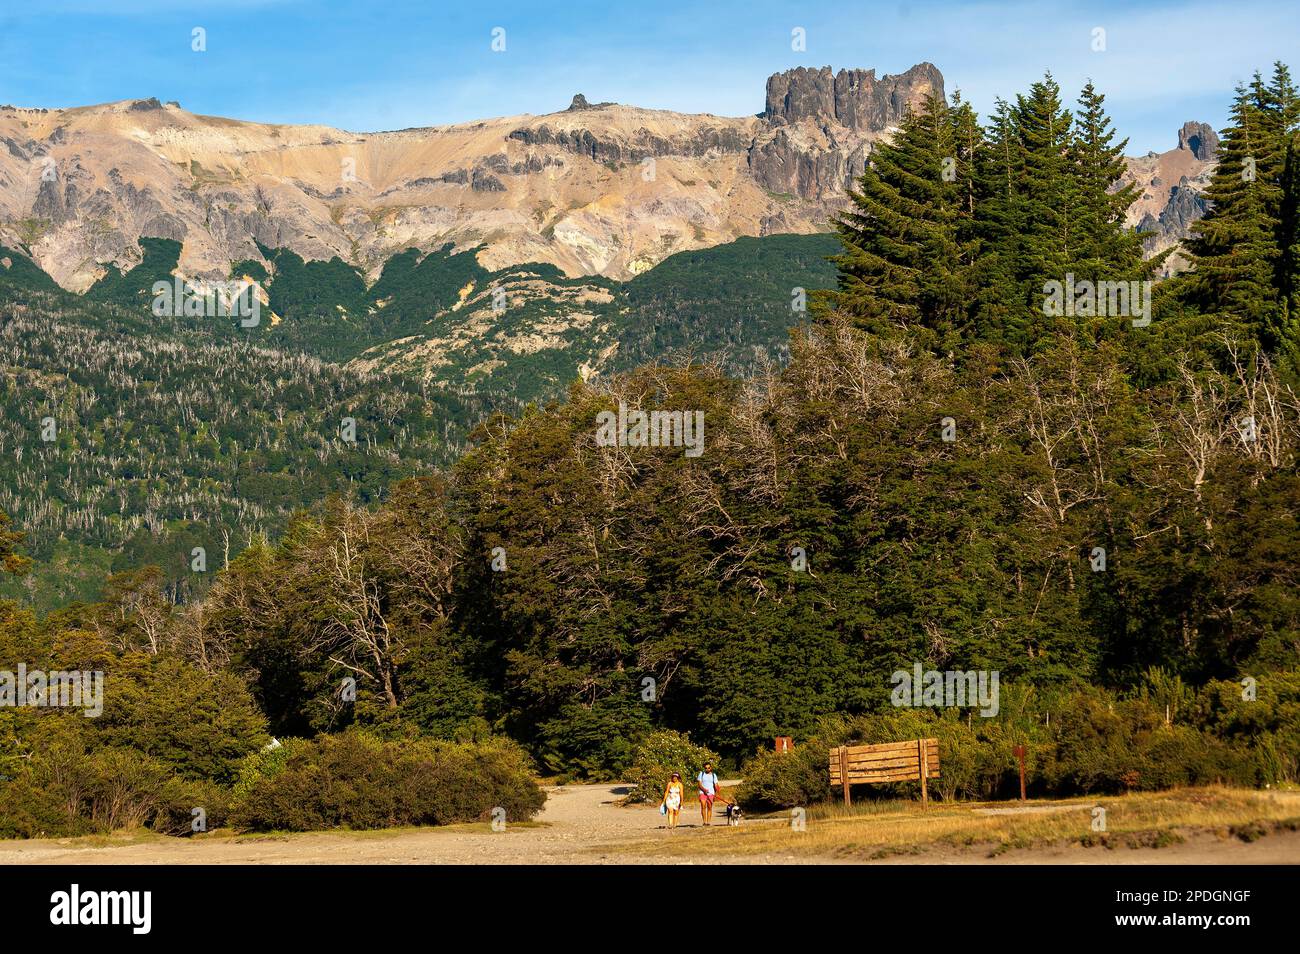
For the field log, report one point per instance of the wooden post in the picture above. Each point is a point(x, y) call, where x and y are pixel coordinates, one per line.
point(1019, 753)
point(923, 750)
point(844, 773)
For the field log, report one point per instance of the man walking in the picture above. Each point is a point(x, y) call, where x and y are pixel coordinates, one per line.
point(708, 782)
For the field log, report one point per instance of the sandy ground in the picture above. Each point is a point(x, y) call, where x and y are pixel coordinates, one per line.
point(582, 824)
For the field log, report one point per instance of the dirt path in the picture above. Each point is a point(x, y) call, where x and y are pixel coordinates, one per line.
point(580, 824)
point(574, 825)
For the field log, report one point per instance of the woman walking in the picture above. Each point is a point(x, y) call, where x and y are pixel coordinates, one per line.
point(673, 797)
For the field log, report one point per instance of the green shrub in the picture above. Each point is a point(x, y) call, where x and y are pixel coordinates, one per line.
point(1093, 743)
point(774, 780)
point(1095, 748)
point(355, 780)
point(66, 791)
point(203, 724)
point(658, 756)
point(1268, 725)
point(592, 742)
point(1102, 745)
point(1179, 755)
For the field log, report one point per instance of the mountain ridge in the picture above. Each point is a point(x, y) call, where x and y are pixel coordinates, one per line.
point(606, 189)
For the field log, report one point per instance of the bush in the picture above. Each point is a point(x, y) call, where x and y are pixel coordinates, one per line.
point(592, 742)
point(774, 780)
point(1179, 755)
point(66, 791)
point(1094, 744)
point(1109, 746)
point(201, 723)
point(355, 780)
point(658, 756)
point(1269, 725)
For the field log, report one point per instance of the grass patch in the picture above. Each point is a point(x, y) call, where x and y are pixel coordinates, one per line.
point(884, 829)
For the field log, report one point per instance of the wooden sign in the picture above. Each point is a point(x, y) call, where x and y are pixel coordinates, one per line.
point(917, 760)
point(784, 743)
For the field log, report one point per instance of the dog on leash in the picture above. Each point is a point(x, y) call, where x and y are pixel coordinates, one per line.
point(734, 815)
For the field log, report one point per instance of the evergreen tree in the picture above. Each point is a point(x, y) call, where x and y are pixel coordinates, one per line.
point(1047, 190)
point(1283, 122)
point(1240, 269)
point(998, 173)
point(902, 263)
point(1026, 220)
point(970, 153)
point(1288, 319)
point(1104, 248)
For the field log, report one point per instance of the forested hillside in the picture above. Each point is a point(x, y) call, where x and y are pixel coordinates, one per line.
point(204, 433)
point(522, 332)
point(126, 444)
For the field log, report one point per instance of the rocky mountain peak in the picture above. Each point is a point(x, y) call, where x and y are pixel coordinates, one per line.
point(1171, 188)
point(1199, 139)
point(580, 103)
point(855, 99)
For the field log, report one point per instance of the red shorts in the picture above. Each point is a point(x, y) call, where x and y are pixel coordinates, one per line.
point(707, 799)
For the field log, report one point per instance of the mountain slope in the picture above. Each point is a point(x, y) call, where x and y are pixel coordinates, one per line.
point(166, 430)
point(138, 440)
point(517, 334)
point(594, 190)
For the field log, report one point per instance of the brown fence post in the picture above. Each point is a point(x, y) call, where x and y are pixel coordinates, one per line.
point(1019, 753)
point(923, 750)
point(844, 773)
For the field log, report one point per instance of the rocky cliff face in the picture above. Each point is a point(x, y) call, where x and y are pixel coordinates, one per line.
point(854, 99)
point(1200, 140)
point(819, 127)
point(599, 147)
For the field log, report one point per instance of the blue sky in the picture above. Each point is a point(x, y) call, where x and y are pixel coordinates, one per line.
point(387, 65)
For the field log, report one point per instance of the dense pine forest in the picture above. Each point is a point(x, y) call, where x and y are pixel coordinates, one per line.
point(950, 469)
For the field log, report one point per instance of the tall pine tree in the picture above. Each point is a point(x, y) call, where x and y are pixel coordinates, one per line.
point(903, 263)
point(1244, 253)
point(1025, 220)
point(1282, 122)
point(1103, 247)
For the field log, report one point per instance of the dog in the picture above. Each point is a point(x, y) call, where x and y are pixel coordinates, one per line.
point(734, 815)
